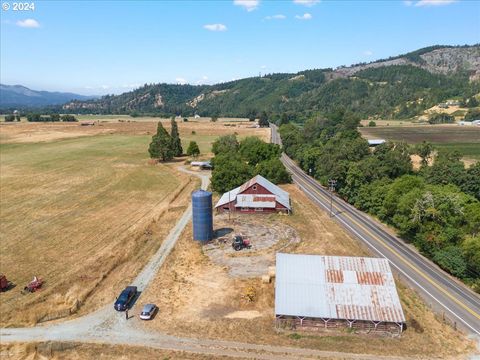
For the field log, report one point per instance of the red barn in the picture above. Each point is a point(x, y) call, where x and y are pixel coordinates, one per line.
point(256, 195)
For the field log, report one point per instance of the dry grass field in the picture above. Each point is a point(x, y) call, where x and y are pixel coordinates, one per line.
point(82, 208)
point(199, 298)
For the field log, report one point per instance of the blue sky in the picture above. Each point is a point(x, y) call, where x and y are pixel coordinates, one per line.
point(99, 47)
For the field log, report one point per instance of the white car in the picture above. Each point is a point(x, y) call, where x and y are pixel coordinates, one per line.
point(148, 311)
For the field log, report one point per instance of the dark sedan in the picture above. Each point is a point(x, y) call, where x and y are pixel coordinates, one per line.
point(125, 298)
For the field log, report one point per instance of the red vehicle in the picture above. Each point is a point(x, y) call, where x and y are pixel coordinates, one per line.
point(4, 283)
point(34, 285)
point(240, 242)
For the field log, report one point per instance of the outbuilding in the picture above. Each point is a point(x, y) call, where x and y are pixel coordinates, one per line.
point(256, 195)
point(316, 292)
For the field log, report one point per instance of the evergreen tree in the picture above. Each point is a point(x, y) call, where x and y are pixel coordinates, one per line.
point(176, 142)
point(161, 145)
point(263, 120)
point(193, 149)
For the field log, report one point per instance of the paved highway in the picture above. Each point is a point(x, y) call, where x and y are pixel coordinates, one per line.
point(445, 294)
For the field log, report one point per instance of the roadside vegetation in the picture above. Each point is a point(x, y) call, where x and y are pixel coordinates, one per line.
point(236, 162)
point(436, 208)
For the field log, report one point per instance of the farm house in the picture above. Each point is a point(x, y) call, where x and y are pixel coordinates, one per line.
point(318, 293)
point(256, 195)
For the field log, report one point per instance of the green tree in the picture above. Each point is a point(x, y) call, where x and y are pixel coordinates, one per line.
point(471, 251)
point(471, 182)
point(472, 102)
point(55, 117)
point(283, 119)
point(68, 118)
point(446, 169)
point(176, 142)
point(229, 172)
point(372, 123)
point(394, 159)
point(9, 118)
point(193, 149)
point(472, 114)
point(254, 150)
point(225, 144)
point(263, 120)
point(425, 151)
point(274, 171)
point(441, 118)
point(161, 145)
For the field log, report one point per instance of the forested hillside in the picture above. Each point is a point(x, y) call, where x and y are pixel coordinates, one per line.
point(398, 87)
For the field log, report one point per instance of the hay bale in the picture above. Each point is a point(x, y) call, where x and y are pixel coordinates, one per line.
point(266, 279)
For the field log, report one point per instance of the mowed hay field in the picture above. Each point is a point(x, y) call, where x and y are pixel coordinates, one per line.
point(465, 139)
point(198, 298)
point(84, 213)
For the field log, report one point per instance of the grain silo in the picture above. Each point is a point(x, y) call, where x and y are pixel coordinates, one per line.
point(202, 215)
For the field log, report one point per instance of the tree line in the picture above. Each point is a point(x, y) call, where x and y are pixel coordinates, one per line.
point(36, 117)
point(436, 208)
point(236, 162)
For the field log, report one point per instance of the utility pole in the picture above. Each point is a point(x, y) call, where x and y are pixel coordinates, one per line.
point(331, 187)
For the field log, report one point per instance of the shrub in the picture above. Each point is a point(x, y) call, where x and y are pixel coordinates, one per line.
point(372, 123)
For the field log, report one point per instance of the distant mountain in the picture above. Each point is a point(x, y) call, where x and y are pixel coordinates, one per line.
point(20, 96)
point(400, 86)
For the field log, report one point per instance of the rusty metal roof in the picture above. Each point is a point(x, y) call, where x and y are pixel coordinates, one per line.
point(336, 287)
point(256, 201)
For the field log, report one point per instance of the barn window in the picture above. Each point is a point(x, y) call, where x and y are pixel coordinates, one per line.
point(254, 187)
point(259, 209)
point(244, 209)
point(226, 208)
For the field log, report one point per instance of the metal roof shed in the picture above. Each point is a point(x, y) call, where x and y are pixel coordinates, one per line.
point(313, 292)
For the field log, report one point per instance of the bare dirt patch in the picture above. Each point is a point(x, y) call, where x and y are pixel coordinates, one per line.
point(267, 236)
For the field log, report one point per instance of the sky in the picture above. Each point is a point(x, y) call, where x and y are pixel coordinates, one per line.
point(109, 47)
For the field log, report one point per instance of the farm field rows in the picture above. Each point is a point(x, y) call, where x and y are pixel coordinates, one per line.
point(83, 208)
point(465, 139)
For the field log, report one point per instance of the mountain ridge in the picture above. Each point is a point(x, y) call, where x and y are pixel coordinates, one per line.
point(22, 96)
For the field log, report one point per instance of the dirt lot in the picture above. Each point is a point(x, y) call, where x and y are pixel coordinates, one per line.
point(83, 212)
point(198, 297)
point(267, 236)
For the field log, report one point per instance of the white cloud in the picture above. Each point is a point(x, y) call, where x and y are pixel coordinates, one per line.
point(306, 2)
point(368, 53)
point(28, 23)
point(105, 87)
point(263, 66)
point(180, 80)
point(131, 86)
point(215, 27)
point(275, 17)
point(408, 2)
point(202, 80)
point(249, 5)
point(305, 16)
point(434, 2)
